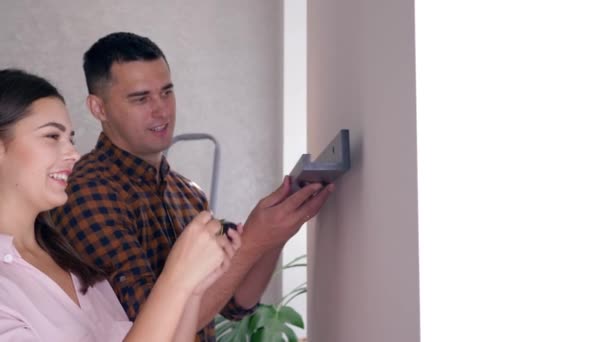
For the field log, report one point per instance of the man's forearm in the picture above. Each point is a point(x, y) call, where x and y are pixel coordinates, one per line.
point(273, 221)
point(250, 290)
point(216, 297)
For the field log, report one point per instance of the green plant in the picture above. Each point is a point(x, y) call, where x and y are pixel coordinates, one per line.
point(270, 322)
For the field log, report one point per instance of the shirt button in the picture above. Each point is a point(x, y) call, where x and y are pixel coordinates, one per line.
point(8, 258)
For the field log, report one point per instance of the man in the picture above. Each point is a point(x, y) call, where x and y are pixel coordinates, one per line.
point(126, 206)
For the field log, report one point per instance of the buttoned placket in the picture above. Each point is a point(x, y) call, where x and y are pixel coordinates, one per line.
point(12, 257)
point(162, 187)
point(8, 258)
point(159, 186)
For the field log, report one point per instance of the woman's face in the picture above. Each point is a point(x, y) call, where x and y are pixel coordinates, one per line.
point(37, 160)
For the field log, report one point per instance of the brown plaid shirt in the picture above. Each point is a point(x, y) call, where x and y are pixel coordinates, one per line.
point(122, 218)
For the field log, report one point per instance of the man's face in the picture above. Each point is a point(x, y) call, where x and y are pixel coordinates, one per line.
point(139, 108)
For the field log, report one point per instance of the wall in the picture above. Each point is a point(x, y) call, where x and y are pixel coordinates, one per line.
point(294, 135)
point(226, 67)
point(363, 247)
point(512, 118)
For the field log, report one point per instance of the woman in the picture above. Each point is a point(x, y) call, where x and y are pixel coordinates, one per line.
point(46, 291)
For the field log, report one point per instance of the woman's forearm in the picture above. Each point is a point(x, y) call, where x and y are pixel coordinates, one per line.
point(188, 325)
point(160, 316)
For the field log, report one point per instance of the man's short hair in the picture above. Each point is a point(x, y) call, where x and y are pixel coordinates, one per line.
point(116, 47)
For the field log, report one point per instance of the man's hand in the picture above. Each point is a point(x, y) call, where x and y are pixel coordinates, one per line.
point(277, 217)
point(272, 222)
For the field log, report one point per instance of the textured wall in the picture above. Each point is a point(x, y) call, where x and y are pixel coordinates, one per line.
point(225, 58)
point(225, 61)
point(363, 247)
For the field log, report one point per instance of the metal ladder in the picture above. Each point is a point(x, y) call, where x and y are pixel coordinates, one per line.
point(216, 160)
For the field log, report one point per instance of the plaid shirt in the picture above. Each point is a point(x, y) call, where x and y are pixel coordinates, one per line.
point(123, 219)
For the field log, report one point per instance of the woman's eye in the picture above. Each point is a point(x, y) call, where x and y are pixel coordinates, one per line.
point(53, 136)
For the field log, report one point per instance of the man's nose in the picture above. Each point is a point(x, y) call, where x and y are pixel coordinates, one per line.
point(159, 107)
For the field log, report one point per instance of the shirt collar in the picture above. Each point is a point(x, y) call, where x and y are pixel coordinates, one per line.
point(132, 165)
point(6, 245)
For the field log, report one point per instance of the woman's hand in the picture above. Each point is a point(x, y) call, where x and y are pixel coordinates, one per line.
point(197, 254)
point(230, 244)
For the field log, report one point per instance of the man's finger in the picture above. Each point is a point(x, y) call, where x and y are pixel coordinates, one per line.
point(298, 198)
point(226, 246)
point(236, 239)
point(312, 207)
point(278, 195)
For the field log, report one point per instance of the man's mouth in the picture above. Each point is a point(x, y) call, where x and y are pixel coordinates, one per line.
point(159, 128)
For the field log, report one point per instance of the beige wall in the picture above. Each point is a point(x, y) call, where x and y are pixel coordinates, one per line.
point(226, 65)
point(363, 247)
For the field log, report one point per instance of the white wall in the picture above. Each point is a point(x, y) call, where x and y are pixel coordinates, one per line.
point(294, 134)
point(363, 247)
point(512, 122)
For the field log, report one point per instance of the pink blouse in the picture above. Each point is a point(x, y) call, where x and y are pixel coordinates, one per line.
point(34, 308)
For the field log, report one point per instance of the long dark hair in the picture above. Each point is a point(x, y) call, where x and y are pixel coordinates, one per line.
point(18, 91)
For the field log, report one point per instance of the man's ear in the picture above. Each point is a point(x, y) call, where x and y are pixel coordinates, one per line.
point(96, 107)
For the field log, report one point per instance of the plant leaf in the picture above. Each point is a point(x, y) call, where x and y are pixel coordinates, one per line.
point(257, 336)
point(267, 334)
point(241, 333)
point(291, 296)
point(224, 328)
point(232, 331)
point(290, 265)
point(291, 336)
point(262, 316)
point(288, 315)
point(294, 265)
point(295, 260)
point(298, 288)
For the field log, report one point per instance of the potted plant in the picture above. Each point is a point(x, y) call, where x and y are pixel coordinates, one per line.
point(270, 322)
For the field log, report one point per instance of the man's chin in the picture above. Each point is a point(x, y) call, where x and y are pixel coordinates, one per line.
point(158, 148)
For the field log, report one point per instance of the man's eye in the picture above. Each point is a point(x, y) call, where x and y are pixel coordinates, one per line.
point(140, 99)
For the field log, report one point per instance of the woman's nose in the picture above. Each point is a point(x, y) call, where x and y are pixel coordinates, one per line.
point(72, 153)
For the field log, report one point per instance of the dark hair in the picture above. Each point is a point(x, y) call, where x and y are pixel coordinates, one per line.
point(116, 47)
point(18, 91)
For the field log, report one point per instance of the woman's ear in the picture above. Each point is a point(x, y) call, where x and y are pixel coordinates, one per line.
point(96, 107)
point(2, 149)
